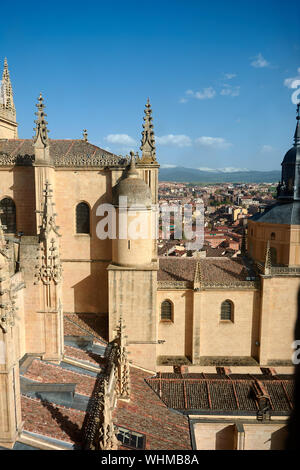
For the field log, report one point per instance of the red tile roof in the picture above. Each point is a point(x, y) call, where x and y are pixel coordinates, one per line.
point(86, 356)
point(52, 420)
point(50, 373)
point(83, 324)
point(217, 270)
point(147, 414)
point(214, 392)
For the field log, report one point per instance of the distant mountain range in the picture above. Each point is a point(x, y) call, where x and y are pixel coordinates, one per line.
point(193, 175)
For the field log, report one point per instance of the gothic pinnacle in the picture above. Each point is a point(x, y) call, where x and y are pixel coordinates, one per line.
point(6, 92)
point(41, 131)
point(148, 140)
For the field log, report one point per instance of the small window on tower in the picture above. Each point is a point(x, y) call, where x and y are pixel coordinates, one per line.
point(8, 215)
point(82, 218)
point(227, 310)
point(273, 236)
point(166, 311)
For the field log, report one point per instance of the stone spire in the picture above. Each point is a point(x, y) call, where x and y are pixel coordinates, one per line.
point(8, 124)
point(6, 92)
point(268, 260)
point(148, 140)
point(41, 131)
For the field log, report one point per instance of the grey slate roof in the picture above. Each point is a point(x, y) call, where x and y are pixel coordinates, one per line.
point(280, 213)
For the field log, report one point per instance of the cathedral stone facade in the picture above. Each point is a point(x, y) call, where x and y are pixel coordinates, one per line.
point(198, 311)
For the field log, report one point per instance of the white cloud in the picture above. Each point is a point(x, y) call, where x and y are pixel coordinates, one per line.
point(180, 140)
point(120, 139)
point(167, 165)
point(229, 90)
point(259, 61)
point(204, 168)
point(206, 93)
point(213, 142)
point(229, 76)
point(291, 82)
point(183, 100)
point(229, 169)
point(267, 148)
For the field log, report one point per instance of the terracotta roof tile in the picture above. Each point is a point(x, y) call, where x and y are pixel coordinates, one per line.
point(214, 270)
point(50, 373)
point(51, 420)
point(147, 414)
point(83, 324)
point(221, 393)
point(58, 148)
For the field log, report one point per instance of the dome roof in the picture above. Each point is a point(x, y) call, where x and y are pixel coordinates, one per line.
point(290, 156)
point(134, 188)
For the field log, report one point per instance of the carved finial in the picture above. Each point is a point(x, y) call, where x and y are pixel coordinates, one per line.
point(268, 260)
point(132, 172)
point(148, 140)
point(123, 386)
point(41, 131)
point(85, 135)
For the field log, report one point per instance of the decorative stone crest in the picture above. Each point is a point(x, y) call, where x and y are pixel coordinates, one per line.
point(107, 434)
point(48, 268)
point(123, 387)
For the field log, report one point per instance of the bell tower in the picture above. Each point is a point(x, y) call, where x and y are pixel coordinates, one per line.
point(8, 123)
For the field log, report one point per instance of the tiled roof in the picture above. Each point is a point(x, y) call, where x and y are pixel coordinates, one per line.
point(213, 392)
point(79, 324)
point(213, 270)
point(52, 420)
point(147, 414)
point(58, 148)
point(51, 373)
point(86, 356)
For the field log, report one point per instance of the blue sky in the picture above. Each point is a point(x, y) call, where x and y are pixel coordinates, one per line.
point(218, 75)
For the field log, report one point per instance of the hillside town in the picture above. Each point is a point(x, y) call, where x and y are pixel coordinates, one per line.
point(227, 207)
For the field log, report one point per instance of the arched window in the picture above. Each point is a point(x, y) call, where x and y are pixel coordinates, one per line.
point(8, 215)
point(82, 218)
point(166, 310)
point(227, 310)
point(273, 236)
